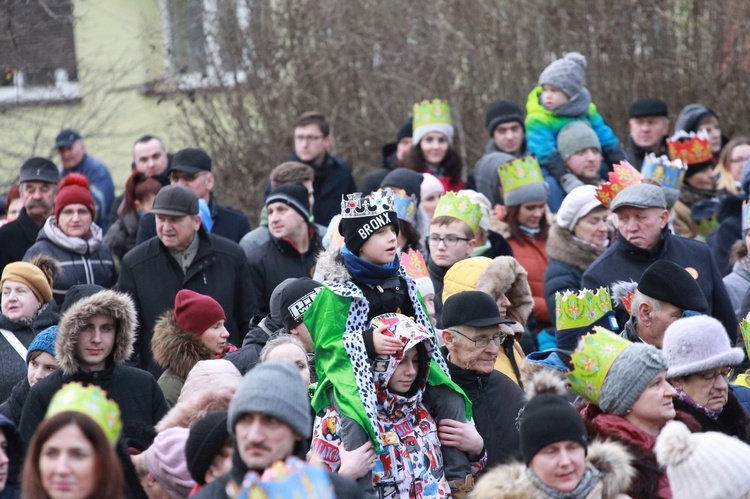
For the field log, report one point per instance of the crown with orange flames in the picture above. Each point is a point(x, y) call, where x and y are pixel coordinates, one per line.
point(622, 176)
point(692, 148)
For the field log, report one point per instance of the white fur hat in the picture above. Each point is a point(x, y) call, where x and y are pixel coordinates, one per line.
point(576, 205)
point(696, 344)
point(708, 465)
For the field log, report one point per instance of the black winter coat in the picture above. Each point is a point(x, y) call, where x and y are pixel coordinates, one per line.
point(496, 401)
point(152, 278)
point(16, 237)
point(273, 262)
point(13, 407)
point(228, 222)
point(141, 402)
point(623, 261)
point(247, 357)
point(733, 420)
point(635, 154)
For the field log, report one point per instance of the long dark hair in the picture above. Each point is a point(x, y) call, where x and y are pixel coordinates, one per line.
point(451, 166)
point(511, 218)
point(107, 470)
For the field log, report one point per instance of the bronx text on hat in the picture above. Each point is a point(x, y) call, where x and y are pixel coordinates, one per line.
point(370, 227)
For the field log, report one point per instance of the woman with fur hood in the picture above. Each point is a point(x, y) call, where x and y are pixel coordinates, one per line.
point(505, 280)
point(559, 460)
point(192, 332)
point(577, 238)
point(94, 339)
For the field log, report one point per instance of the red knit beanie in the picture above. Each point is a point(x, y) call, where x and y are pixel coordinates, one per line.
point(74, 189)
point(196, 312)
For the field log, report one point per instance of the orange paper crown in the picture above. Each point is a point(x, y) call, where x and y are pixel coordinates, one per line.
point(414, 265)
point(692, 148)
point(624, 175)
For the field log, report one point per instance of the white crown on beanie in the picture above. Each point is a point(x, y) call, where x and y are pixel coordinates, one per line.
point(706, 465)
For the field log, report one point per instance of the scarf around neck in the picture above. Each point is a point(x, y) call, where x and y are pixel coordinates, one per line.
point(367, 272)
point(577, 105)
point(588, 481)
point(714, 415)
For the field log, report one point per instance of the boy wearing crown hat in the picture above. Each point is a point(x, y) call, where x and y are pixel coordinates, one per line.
point(364, 279)
point(452, 238)
point(560, 98)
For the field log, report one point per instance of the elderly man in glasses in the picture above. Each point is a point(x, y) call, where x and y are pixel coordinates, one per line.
point(472, 337)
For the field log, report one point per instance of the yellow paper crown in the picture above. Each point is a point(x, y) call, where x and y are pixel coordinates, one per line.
point(460, 207)
point(592, 360)
point(575, 310)
point(622, 175)
point(519, 172)
point(436, 111)
point(745, 330)
point(91, 401)
point(414, 265)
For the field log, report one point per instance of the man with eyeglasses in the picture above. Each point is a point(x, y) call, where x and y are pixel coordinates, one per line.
point(333, 177)
point(472, 337)
point(192, 168)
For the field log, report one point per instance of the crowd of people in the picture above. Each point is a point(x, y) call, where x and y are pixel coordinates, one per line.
point(566, 320)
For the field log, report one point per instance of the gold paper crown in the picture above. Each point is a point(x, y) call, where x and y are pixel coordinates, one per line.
point(592, 360)
point(575, 310)
point(692, 148)
point(622, 175)
point(91, 401)
point(436, 111)
point(745, 330)
point(460, 207)
point(355, 206)
point(414, 265)
point(668, 173)
point(520, 172)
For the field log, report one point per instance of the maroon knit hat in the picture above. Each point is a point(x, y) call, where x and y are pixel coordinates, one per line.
point(74, 189)
point(196, 312)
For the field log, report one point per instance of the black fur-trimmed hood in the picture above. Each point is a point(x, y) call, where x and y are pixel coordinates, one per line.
point(107, 302)
point(176, 348)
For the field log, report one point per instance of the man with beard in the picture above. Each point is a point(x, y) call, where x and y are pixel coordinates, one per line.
point(38, 184)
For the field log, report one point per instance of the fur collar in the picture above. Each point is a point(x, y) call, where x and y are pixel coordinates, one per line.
point(510, 481)
point(505, 275)
point(331, 265)
point(176, 348)
point(107, 302)
point(563, 247)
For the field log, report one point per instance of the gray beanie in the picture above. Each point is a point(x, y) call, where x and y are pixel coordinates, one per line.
point(576, 136)
point(566, 74)
point(274, 388)
point(628, 377)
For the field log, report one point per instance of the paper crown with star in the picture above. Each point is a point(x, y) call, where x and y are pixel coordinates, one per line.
point(431, 112)
point(575, 310)
point(592, 360)
point(622, 175)
point(669, 174)
point(91, 401)
point(692, 148)
point(460, 207)
point(356, 206)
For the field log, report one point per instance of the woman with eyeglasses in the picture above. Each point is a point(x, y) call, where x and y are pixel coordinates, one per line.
point(700, 361)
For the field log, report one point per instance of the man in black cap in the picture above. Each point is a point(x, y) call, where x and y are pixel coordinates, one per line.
point(472, 337)
point(643, 238)
point(184, 256)
point(74, 159)
point(192, 168)
point(666, 292)
point(649, 128)
point(504, 121)
point(38, 186)
point(289, 302)
point(292, 248)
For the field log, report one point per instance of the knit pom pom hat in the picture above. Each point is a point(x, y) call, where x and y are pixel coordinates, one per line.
point(74, 189)
point(566, 74)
